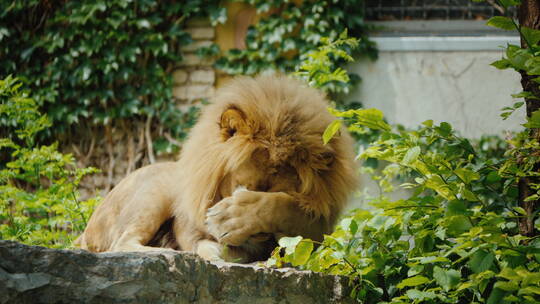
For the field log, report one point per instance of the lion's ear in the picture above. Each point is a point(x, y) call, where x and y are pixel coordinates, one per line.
point(323, 161)
point(233, 121)
point(328, 158)
point(320, 161)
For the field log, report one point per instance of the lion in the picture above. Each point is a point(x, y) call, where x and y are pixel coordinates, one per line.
point(254, 168)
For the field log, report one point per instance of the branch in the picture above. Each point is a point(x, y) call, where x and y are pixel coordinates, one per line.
point(149, 144)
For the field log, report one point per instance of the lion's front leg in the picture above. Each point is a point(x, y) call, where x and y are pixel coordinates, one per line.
point(234, 219)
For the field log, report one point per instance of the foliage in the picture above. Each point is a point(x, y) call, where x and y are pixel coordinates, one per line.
point(288, 29)
point(99, 62)
point(108, 63)
point(316, 67)
point(522, 164)
point(39, 201)
point(454, 239)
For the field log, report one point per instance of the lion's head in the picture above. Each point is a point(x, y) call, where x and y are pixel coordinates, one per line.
point(265, 134)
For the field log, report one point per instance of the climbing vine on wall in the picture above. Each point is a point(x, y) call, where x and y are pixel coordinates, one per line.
point(288, 29)
point(99, 63)
point(105, 63)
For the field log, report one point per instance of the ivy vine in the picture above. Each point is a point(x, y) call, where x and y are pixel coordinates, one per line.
point(99, 62)
point(287, 30)
point(109, 63)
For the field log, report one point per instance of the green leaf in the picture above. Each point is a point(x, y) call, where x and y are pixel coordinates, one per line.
point(509, 274)
point(457, 224)
point(444, 129)
point(331, 130)
point(464, 285)
point(372, 118)
point(457, 207)
point(507, 3)
point(433, 259)
point(531, 278)
point(501, 22)
point(428, 123)
point(481, 261)
point(523, 94)
point(411, 155)
point(496, 296)
point(520, 210)
point(501, 64)
point(447, 279)
point(506, 285)
point(468, 195)
point(302, 253)
point(467, 175)
point(517, 57)
point(530, 35)
point(349, 224)
point(436, 183)
point(289, 241)
point(381, 222)
point(218, 15)
point(534, 120)
point(530, 290)
point(143, 23)
point(533, 197)
point(338, 113)
point(415, 294)
point(493, 177)
point(413, 281)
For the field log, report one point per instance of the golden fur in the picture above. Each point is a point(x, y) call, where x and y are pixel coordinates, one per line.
point(254, 168)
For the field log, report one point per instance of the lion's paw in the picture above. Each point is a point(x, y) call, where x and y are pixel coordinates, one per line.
point(209, 250)
point(234, 219)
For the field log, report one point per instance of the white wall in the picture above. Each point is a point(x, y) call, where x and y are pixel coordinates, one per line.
point(459, 87)
point(444, 78)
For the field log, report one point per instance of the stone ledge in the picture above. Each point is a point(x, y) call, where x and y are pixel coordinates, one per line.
point(32, 274)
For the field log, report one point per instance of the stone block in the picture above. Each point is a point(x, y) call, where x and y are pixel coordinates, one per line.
point(203, 76)
point(180, 92)
point(201, 33)
point(180, 76)
point(199, 91)
point(194, 60)
point(197, 22)
point(196, 45)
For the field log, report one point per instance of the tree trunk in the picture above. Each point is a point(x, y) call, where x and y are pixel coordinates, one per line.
point(529, 16)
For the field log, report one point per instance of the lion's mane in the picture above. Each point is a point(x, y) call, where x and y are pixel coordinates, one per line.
point(283, 116)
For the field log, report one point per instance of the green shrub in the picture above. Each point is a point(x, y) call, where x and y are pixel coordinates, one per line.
point(39, 199)
point(454, 239)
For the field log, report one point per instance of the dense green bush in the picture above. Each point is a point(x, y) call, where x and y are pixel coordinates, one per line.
point(456, 237)
point(39, 199)
point(94, 63)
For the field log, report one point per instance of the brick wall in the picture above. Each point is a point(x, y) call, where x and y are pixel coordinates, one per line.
point(194, 78)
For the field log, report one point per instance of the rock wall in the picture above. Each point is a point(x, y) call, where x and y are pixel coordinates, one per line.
point(31, 274)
